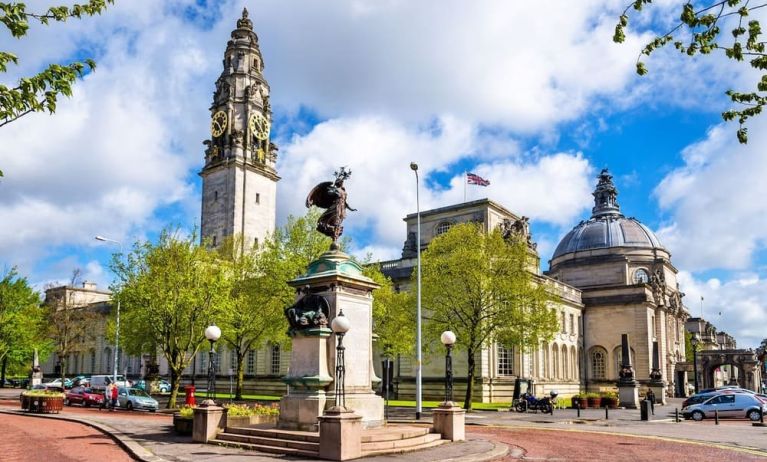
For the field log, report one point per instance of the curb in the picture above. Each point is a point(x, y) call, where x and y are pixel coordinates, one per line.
point(499, 450)
point(127, 443)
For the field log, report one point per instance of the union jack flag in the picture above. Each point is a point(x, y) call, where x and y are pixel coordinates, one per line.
point(477, 180)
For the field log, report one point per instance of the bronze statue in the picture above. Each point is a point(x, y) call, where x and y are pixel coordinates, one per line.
point(310, 311)
point(331, 195)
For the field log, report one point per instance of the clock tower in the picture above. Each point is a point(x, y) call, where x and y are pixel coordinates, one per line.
point(239, 180)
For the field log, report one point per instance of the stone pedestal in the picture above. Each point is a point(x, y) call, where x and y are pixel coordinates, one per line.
point(449, 421)
point(307, 379)
point(659, 389)
point(628, 395)
point(340, 434)
point(208, 422)
point(339, 280)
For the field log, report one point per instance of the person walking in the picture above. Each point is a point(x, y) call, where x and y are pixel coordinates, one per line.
point(107, 396)
point(114, 396)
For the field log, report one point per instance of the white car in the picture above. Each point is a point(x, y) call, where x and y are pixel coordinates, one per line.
point(736, 405)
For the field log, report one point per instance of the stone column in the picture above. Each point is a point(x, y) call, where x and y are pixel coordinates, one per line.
point(340, 434)
point(449, 421)
point(208, 422)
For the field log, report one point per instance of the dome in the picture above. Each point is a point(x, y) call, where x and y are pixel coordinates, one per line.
point(607, 227)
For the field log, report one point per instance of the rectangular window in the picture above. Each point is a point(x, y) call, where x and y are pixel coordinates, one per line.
point(233, 361)
point(275, 366)
point(93, 362)
point(214, 240)
point(505, 360)
point(564, 323)
point(258, 198)
point(251, 367)
point(572, 323)
point(215, 196)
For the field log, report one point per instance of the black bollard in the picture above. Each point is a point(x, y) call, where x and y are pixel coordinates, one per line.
point(676, 415)
point(716, 416)
point(761, 415)
point(607, 413)
point(578, 408)
point(551, 409)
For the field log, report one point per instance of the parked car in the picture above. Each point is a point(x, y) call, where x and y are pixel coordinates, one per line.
point(162, 386)
point(135, 398)
point(99, 382)
point(81, 381)
point(85, 396)
point(736, 405)
point(57, 382)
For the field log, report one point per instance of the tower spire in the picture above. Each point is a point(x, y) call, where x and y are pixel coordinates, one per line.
point(605, 196)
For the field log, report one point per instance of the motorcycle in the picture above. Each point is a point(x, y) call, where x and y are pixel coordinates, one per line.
point(528, 402)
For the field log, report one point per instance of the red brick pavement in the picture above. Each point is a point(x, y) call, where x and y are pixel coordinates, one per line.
point(562, 445)
point(35, 439)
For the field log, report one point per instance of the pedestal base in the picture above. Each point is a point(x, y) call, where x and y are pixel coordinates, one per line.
point(628, 395)
point(299, 411)
point(449, 421)
point(367, 405)
point(659, 389)
point(208, 422)
point(340, 435)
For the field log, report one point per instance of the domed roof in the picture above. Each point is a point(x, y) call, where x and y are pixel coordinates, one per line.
point(607, 227)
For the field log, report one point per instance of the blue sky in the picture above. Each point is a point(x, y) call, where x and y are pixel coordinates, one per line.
point(537, 104)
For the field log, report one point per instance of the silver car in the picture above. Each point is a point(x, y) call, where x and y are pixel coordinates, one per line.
point(135, 398)
point(737, 405)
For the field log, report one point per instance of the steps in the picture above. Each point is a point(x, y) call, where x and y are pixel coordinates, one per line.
point(375, 441)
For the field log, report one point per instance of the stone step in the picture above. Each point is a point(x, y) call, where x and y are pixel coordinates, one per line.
point(312, 437)
point(428, 441)
point(272, 442)
point(393, 433)
point(261, 448)
point(401, 444)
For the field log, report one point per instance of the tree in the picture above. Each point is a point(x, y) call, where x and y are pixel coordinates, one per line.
point(259, 291)
point(70, 326)
point(170, 292)
point(481, 287)
point(393, 315)
point(20, 321)
point(698, 32)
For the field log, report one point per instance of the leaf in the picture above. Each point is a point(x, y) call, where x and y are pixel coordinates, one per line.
point(640, 68)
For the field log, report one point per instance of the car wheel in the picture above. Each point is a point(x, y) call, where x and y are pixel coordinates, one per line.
point(67, 402)
point(129, 406)
point(87, 404)
point(753, 415)
point(698, 416)
point(153, 410)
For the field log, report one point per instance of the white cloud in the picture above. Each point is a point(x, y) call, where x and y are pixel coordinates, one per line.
point(735, 306)
point(718, 216)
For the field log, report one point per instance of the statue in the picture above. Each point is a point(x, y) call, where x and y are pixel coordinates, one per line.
point(331, 196)
point(310, 311)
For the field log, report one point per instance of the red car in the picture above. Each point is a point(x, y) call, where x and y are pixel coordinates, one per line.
point(84, 396)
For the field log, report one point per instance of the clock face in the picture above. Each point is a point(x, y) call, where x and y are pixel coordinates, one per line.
point(641, 276)
point(259, 126)
point(218, 124)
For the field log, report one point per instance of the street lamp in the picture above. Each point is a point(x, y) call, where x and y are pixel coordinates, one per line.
point(418, 391)
point(694, 340)
point(212, 333)
point(117, 327)
point(448, 339)
point(340, 326)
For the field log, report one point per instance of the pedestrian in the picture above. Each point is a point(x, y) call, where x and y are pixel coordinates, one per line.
point(114, 396)
point(107, 396)
point(650, 396)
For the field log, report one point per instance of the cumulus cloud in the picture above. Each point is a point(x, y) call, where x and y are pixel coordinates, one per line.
point(715, 201)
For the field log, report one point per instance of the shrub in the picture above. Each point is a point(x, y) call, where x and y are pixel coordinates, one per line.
point(243, 410)
point(42, 394)
point(610, 394)
point(186, 412)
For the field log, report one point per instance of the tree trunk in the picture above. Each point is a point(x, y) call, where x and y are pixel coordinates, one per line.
point(240, 374)
point(174, 383)
point(2, 373)
point(469, 380)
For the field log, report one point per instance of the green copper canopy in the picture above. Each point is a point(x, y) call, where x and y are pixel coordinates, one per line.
point(333, 262)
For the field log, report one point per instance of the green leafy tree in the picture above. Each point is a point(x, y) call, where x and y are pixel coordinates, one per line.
point(259, 291)
point(170, 292)
point(70, 326)
point(20, 322)
point(702, 30)
point(481, 287)
point(393, 315)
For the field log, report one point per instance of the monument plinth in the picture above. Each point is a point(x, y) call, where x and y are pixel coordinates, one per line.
point(628, 388)
point(332, 283)
point(657, 384)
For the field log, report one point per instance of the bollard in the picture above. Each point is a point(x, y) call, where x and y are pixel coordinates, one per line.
point(761, 416)
point(716, 416)
point(607, 413)
point(578, 408)
point(551, 409)
point(644, 410)
point(676, 415)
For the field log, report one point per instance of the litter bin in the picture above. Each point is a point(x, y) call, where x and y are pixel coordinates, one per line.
point(644, 409)
point(189, 398)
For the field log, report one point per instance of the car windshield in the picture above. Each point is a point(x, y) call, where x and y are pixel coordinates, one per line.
point(87, 390)
point(137, 392)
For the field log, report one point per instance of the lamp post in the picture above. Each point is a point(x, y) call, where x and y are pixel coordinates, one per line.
point(694, 340)
point(212, 333)
point(448, 339)
point(340, 326)
point(117, 326)
point(418, 390)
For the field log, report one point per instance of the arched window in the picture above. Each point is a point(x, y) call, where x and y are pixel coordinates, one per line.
point(275, 364)
point(92, 369)
point(505, 360)
point(565, 364)
point(555, 362)
point(598, 359)
point(442, 228)
point(106, 364)
point(251, 368)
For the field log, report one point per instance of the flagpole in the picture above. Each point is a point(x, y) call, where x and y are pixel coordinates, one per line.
point(701, 307)
point(465, 180)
